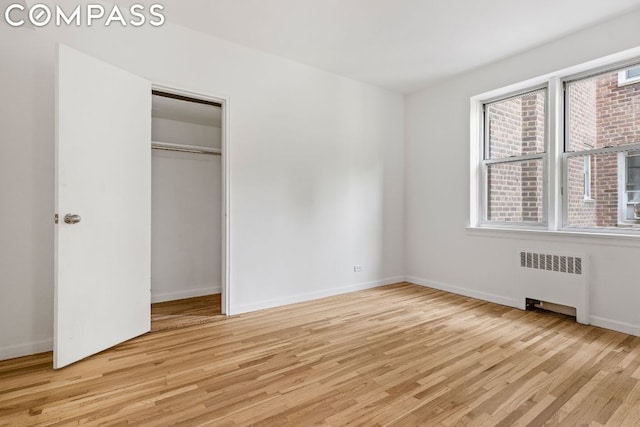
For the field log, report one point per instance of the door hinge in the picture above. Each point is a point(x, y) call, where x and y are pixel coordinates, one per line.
point(55, 218)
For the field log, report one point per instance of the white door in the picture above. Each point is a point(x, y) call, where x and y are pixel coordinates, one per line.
point(103, 175)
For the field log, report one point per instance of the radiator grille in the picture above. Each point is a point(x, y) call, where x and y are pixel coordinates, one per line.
point(559, 263)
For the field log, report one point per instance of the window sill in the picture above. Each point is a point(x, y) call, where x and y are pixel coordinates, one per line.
point(577, 236)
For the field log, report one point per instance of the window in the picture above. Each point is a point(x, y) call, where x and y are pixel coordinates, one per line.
point(567, 141)
point(630, 209)
point(602, 128)
point(629, 76)
point(514, 158)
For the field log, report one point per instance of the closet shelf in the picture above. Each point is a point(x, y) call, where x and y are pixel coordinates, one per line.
point(185, 148)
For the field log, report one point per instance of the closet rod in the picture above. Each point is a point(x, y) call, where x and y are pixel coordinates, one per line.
point(186, 148)
point(185, 98)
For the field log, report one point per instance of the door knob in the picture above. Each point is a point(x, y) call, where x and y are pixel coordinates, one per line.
point(72, 219)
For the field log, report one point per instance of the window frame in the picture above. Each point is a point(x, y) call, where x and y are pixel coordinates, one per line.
point(486, 162)
point(554, 168)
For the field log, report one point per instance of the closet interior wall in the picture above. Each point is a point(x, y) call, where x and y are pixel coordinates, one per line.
point(186, 200)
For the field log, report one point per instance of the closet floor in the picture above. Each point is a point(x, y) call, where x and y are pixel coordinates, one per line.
point(185, 312)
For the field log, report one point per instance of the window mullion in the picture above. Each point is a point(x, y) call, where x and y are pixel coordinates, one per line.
point(555, 144)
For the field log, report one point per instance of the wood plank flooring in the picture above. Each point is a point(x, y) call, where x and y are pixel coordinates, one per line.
point(185, 312)
point(400, 355)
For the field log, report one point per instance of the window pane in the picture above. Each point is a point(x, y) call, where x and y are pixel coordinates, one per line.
point(516, 126)
point(601, 113)
point(515, 192)
point(632, 181)
point(614, 201)
point(633, 72)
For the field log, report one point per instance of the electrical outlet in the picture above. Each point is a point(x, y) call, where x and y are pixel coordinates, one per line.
point(357, 268)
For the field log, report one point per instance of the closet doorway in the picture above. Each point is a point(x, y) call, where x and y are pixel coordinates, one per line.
point(186, 210)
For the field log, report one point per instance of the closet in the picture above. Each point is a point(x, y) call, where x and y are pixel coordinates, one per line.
point(186, 198)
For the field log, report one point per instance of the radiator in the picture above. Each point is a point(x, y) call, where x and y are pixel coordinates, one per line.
point(555, 278)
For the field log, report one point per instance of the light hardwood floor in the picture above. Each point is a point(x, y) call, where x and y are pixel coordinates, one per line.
point(185, 312)
point(397, 355)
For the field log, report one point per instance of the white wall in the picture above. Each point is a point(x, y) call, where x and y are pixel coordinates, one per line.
point(440, 252)
point(186, 206)
point(316, 169)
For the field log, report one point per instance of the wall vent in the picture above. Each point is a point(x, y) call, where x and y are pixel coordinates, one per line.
point(559, 263)
point(552, 278)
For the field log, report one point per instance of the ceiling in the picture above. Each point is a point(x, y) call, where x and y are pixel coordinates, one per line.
point(402, 45)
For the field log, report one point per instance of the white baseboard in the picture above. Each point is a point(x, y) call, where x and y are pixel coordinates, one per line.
point(277, 302)
point(615, 325)
point(484, 296)
point(26, 349)
point(187, 293)
point(35, 347)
